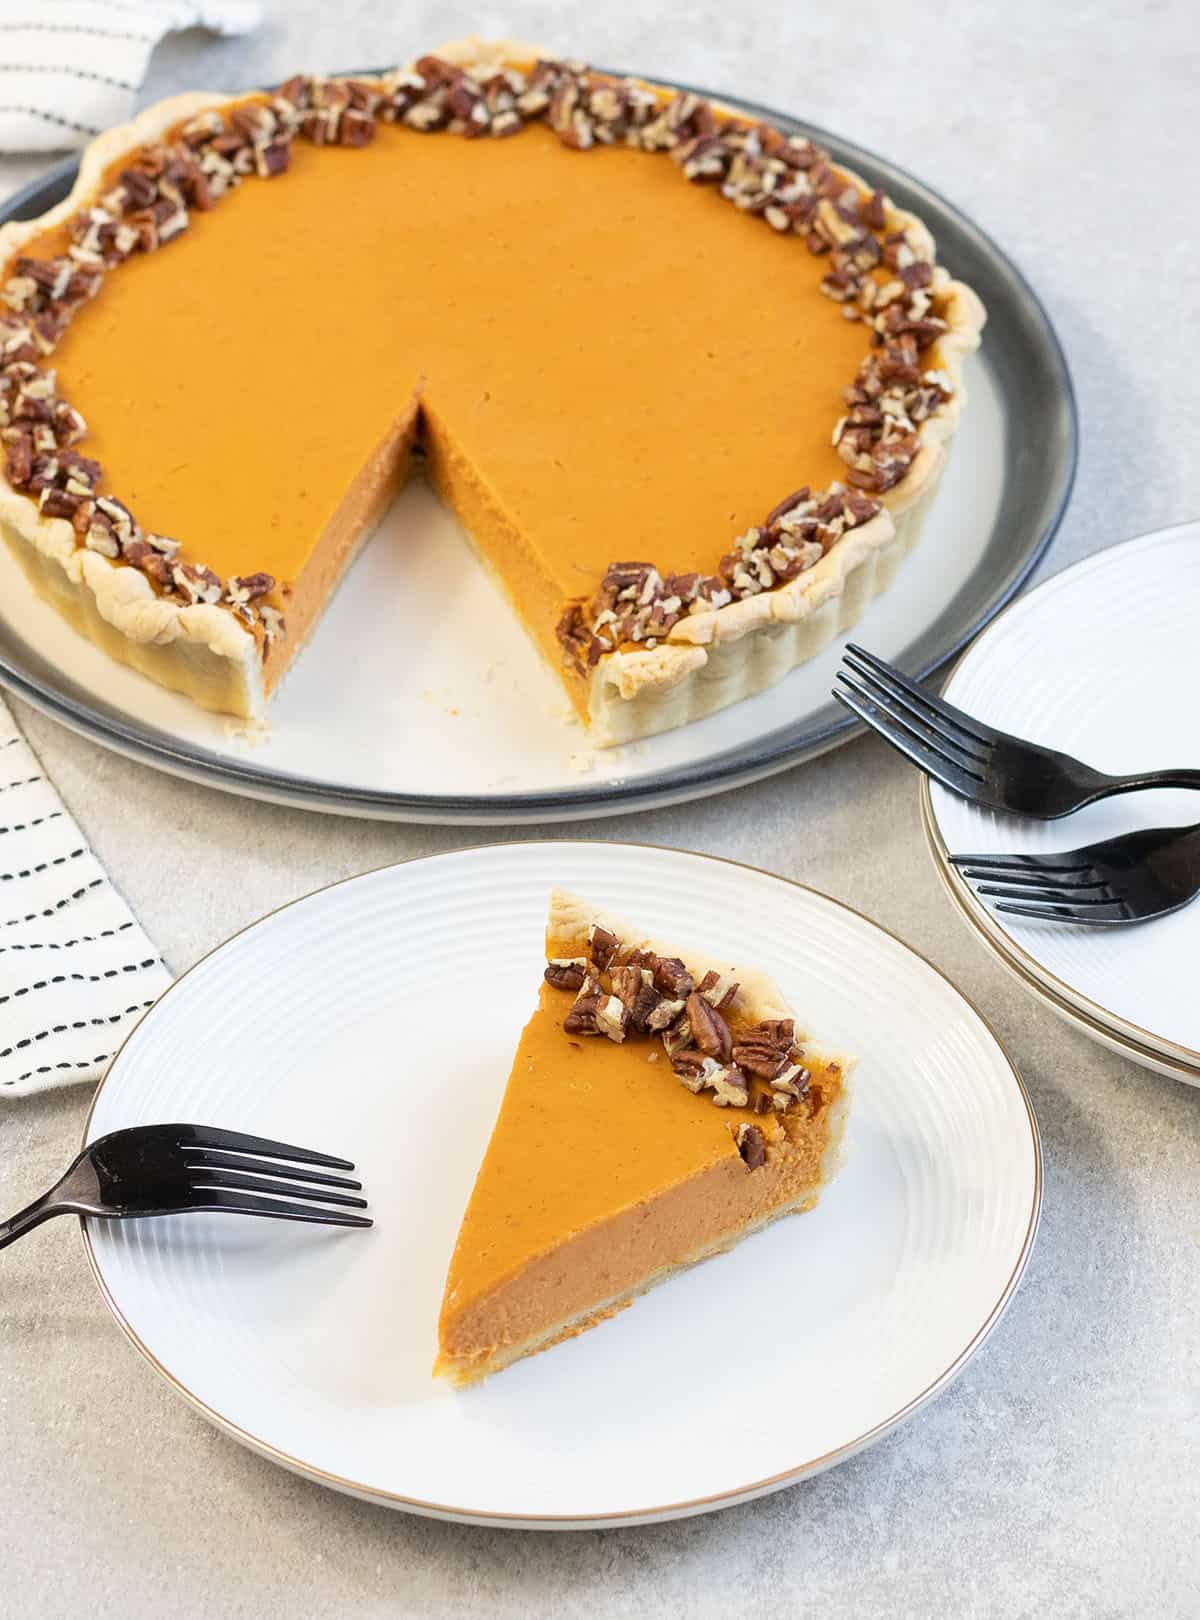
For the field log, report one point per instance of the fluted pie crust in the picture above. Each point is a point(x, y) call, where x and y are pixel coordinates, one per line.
point(634, 663)
point(605, 1175)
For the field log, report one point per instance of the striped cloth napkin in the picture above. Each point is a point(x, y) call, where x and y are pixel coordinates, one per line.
point(76, 970)
point(70, 68)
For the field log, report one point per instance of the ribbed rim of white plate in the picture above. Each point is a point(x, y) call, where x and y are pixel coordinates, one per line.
point(1182, 1060)
point(671, 1510)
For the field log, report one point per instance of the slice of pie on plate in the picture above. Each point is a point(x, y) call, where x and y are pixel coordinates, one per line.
point(688, 385)
point(661, 1106)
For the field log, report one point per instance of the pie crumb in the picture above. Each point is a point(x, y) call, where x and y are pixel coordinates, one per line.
point(582, 762)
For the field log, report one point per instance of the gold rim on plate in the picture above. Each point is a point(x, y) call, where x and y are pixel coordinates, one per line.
point(739, 1493)
point(1119, 1034)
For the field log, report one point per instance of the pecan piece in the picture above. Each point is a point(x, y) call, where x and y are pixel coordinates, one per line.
point(710, 1032)
point(581, 1020)
point(243, 588)
point(273, 157)
point(628, 982)
point(664, 1013)
point(635, 990)
point(695, 1068)
point(793, 1079)
point(677, 1036)
point(603, 945)
point(752, 1146)
point(760, 1058)
point(672, 978)
point(566, 972)
point(730, 1088)
point(718, 989)
point(19, 460)
point(57, 503)
point(611, 1018)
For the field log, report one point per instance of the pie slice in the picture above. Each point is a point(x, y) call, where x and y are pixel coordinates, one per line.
point(660, 1108)
point(688, 385)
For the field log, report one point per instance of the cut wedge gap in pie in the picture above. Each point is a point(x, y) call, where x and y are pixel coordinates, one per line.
point(661, 1106)
point(687, 384)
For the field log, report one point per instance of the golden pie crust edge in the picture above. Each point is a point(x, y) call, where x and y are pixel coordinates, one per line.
point(570, 917)
point(710, 661)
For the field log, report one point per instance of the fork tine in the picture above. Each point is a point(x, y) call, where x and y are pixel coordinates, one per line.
point(1117, 911)
point(195, 1157)
point(216, 1198)
point(926, 711)
point(1051, 894)
point(922, 751)
point(966, 723)
point(1032, 877)
point(210, 1136)
point(1068, 861)
point(917, 729)
point(283, 1189)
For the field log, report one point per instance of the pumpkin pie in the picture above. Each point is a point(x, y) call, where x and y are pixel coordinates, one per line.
point(660, 1108)
point(688, 384)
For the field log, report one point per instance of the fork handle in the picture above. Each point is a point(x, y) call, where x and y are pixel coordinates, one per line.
point(26, 1219)
point(1153, 779)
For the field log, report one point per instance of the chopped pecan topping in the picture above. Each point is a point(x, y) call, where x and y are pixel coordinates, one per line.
point(710, 1032)
point(195, 583)
point(603, 945)
point(634, 987)
point(695, 1068)
point(612, 1019)
point(248, 587)
point(677, 1036)
point(792, 1078)
point(730, 1088)
point(752, 1146)
point(718, 989)
point(760, 1058)
point(566, 972)
point(664, 1014)
point(780, 1032)
point(581, 1019)
point(672, 978)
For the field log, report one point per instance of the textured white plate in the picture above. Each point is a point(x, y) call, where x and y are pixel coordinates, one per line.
point(376, 1019)
point(1102, 661)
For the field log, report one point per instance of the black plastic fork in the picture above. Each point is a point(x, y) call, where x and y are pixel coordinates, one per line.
point(1132, 878)
point(172, 1169)
point(989, 767)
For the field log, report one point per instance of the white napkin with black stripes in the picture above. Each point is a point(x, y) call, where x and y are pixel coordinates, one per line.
point(70, 68)
point(76, 970)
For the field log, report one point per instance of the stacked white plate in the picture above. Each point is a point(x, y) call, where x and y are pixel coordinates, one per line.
point(1103, 662)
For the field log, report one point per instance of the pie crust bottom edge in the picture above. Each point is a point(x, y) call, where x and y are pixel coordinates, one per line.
point(220, 679)
point(461, 1372)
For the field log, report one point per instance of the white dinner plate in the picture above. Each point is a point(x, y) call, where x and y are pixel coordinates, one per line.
point(413, 703)
point(376, 1020)
point(1103, 662)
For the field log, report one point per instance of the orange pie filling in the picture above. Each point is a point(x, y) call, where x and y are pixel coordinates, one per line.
point(645, 1126)
point(597, 361)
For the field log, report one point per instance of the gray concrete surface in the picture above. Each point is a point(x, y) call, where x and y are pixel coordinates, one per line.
point(1060, 1475)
